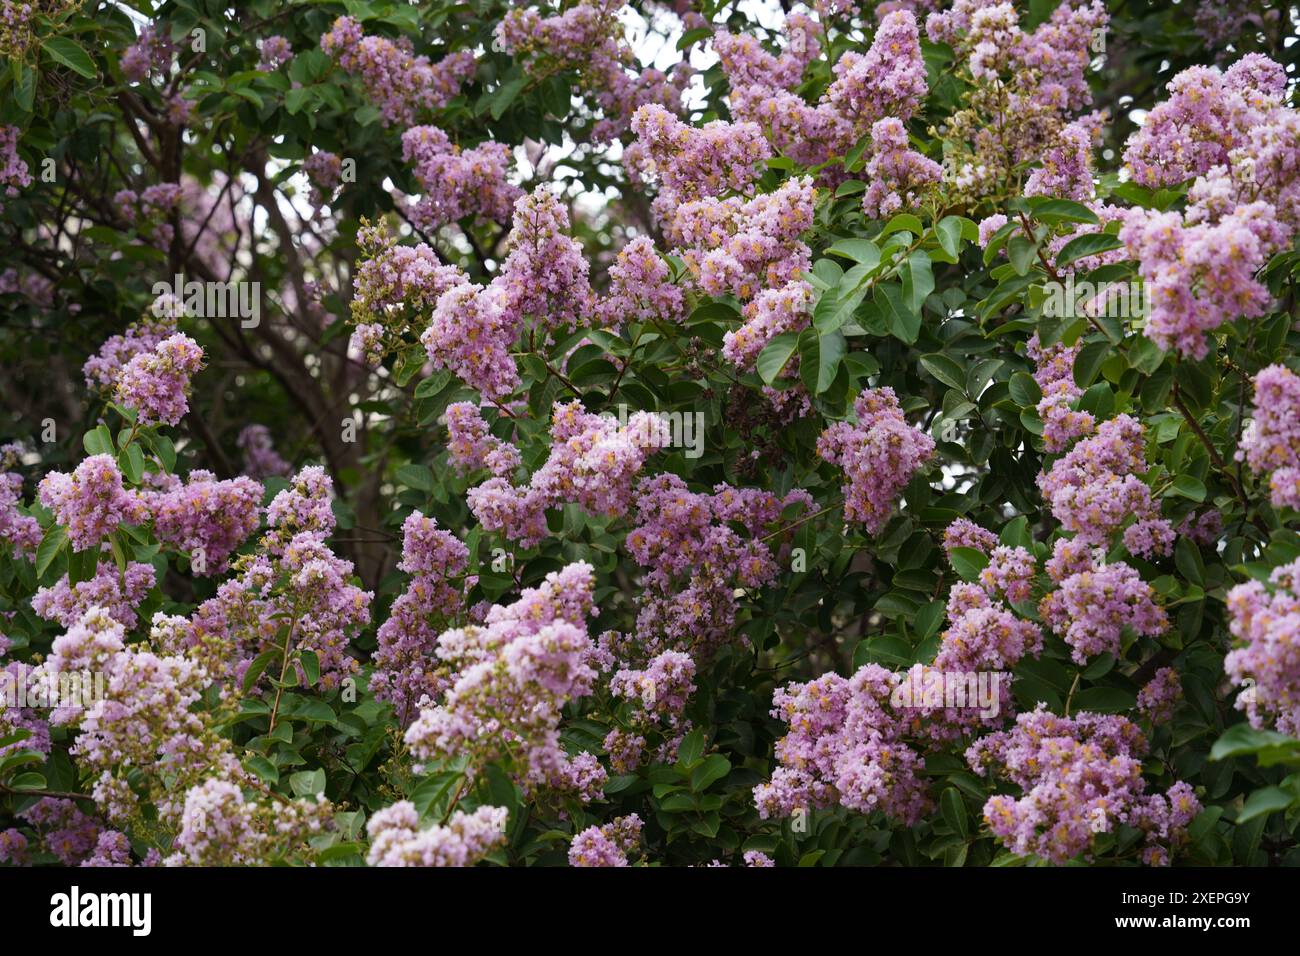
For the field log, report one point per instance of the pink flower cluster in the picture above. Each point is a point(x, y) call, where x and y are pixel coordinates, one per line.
point(470, 446)
point(640, 287)
point(397, 81)
point(593, 462)
point(771, 313)
point(21, 531)
point(1160, 695)
point(1265, 620)
point(1054, 373)
point(1207, 115)
point(695, 561)
point(91, 502)
point(275, 52)
point(845, 746)
point(397, 838)
point(104, 368)
point(156, 384)
point(406, 664)
point(150, 55)
point(1094, 604)
point(588, 38)
point(13, 170)
point(117, 592)
point(261, 460)
point(510, 680)
point(458, 182)
point(900, 177)
point(472, 328)
point(1079, 777)
point(1023, 87)
point(606, 845)
point(219, 827)
point(1095, 488)
point(1271, 445)
point(293, 577)
point(879, 455)
point(206, 519)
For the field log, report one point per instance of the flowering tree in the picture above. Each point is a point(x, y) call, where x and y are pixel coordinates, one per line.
point(675, 434)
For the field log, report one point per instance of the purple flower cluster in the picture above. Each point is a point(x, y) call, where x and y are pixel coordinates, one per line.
point(510, 680)
point(156, 384)
point(261, 460)
point(1094, 604)
point(219, 827)
point(1078, 777)
point(104, 368)
point(275, 53)
point(13, 170)
point(1271, 445)
point(397, 81)
point(845, 746)
point(406, 664)
point(606, 845)
point(1095, 488)
point(1265, 620)
point(900, 177)
point(150, 55)
point(458, 182)
point(397, 838)
point(91, 502)
point(879, 455)
point(593, 462)
point(1160, 695)
point(117, 592)
point(205, 518)
point(1054, 373)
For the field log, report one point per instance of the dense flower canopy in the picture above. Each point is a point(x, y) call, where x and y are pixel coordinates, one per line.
point(682, 433)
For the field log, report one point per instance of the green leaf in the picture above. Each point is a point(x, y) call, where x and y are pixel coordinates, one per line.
point(904, 221)
point(903, 323)
point(775, 355)
point(953, 809)
point(311, 666)
point(1188, 487)
point(70, 54)
point(1265, 801)
point(862, 251)
point(948, 232)
point(1089, 244)
point(1268, 746)
point(1024, 390)
point(1064, 210)
point(832, 312)
point(263, 768)
point(691, 748)
point(714, 767)
point(968, 563)
point(53, 542)
point(307, 783)
point(416, 476)
point(98, 442)
point(506, 94)
point(255, 669)
point(819, 358)
point(1089, 361)
point(945, 369)
point(918, 280)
